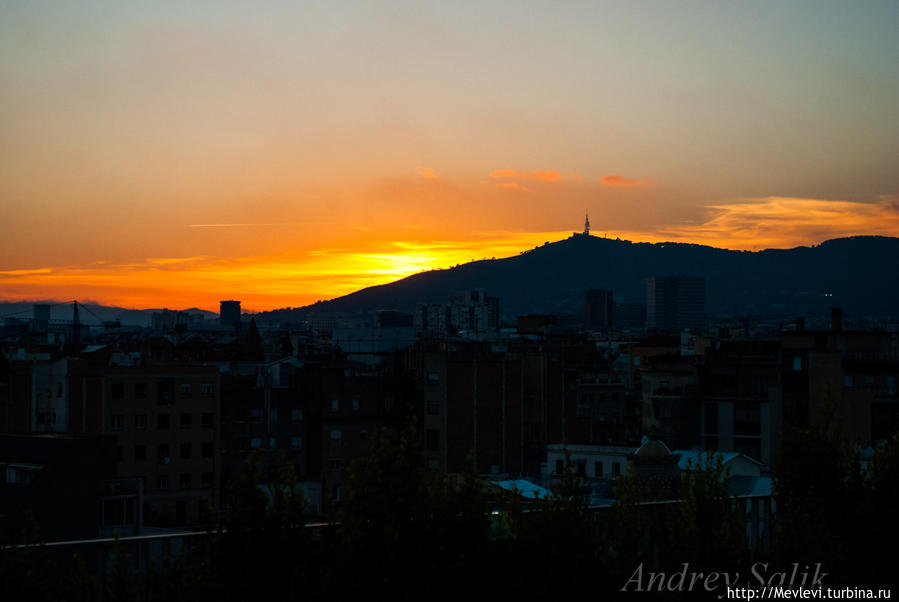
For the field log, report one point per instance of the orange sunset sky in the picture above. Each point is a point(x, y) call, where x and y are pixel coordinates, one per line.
point(173, 154)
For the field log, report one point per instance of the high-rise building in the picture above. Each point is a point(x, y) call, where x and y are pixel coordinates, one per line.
point(598, 309)
point(229, 313)
point(674, 303)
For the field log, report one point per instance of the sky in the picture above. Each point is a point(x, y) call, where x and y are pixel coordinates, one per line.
point(173, 154)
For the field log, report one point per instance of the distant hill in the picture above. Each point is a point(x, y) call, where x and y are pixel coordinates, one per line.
point(89, 313)
point(860, 273)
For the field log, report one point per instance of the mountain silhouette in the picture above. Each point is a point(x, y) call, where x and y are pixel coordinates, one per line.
point(859, 273)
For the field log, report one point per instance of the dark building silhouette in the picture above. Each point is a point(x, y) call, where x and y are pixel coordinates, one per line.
point(599, 309)
point(674, 303)
point(229, 313)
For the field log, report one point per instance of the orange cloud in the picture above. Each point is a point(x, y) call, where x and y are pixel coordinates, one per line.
point(622, 182)
point(779, 222)
point(539, 175)
point(513, 186)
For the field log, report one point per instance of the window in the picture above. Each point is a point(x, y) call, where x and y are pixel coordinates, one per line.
point(335, 405)
point(597, 469)
point(335, 464)
point(162, 453)
point(711, 418)
point(184, 480)
point(797, 363)
point(432, 440)
point(273, 415)
point(140, 453)
point(433, 378)
point(296, 442)
point(117, 421)
point(256, 442)
point(296, 414)
point(747, 419)
point(848, 380)
point(206, 479)
point(434, 408)
point(336, 435)
point(355, 404)
point(165, 391)
point(162, 422)
point(273, 443)
point(185, 420)
point(140, 390)
point(206, 420)
point(118, 390)
point(140, 421)
point(582, 468)
point(206, 389)
point(162, 483)
point(185, 451)
point(560, 466)
point(256, 414)
point(207, 449)
point(616, 468)
point(185, 389)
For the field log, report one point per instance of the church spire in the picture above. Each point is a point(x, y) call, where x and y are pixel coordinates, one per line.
point(586, 223)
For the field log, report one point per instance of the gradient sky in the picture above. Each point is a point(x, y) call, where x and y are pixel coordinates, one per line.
point(178, 153)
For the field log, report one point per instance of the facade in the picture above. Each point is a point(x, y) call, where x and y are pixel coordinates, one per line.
point(166, 423)
point(675, 303)
point(599, 308)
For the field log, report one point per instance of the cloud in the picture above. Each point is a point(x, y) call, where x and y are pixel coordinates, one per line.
point(538, 175)
point(780, 222)
point(617, 181)
point(513, 186)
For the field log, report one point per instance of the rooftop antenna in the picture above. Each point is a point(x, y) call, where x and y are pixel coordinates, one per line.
point(586, 223)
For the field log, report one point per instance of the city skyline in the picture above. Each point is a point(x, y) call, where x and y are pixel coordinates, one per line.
point(162, 156)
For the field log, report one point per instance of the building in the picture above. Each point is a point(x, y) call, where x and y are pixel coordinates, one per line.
point(229, 313)
point(167, 426)
point(675, 303)
point(599, 309)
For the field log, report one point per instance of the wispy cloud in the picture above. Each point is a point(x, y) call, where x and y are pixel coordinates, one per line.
point(617, 181)
point(780, 222)
point(538, 175)
point(517, 186)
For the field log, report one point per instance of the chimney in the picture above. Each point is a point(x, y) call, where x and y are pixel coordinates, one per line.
point(836, 319)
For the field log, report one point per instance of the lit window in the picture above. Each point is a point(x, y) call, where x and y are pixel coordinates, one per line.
point(206, 389)
point(140, 421)
point(335, 435)
point(256, 442)
point(118, 420)
point(185, 389)
point(335, 405)
point(296, 442)
point(296, 414)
